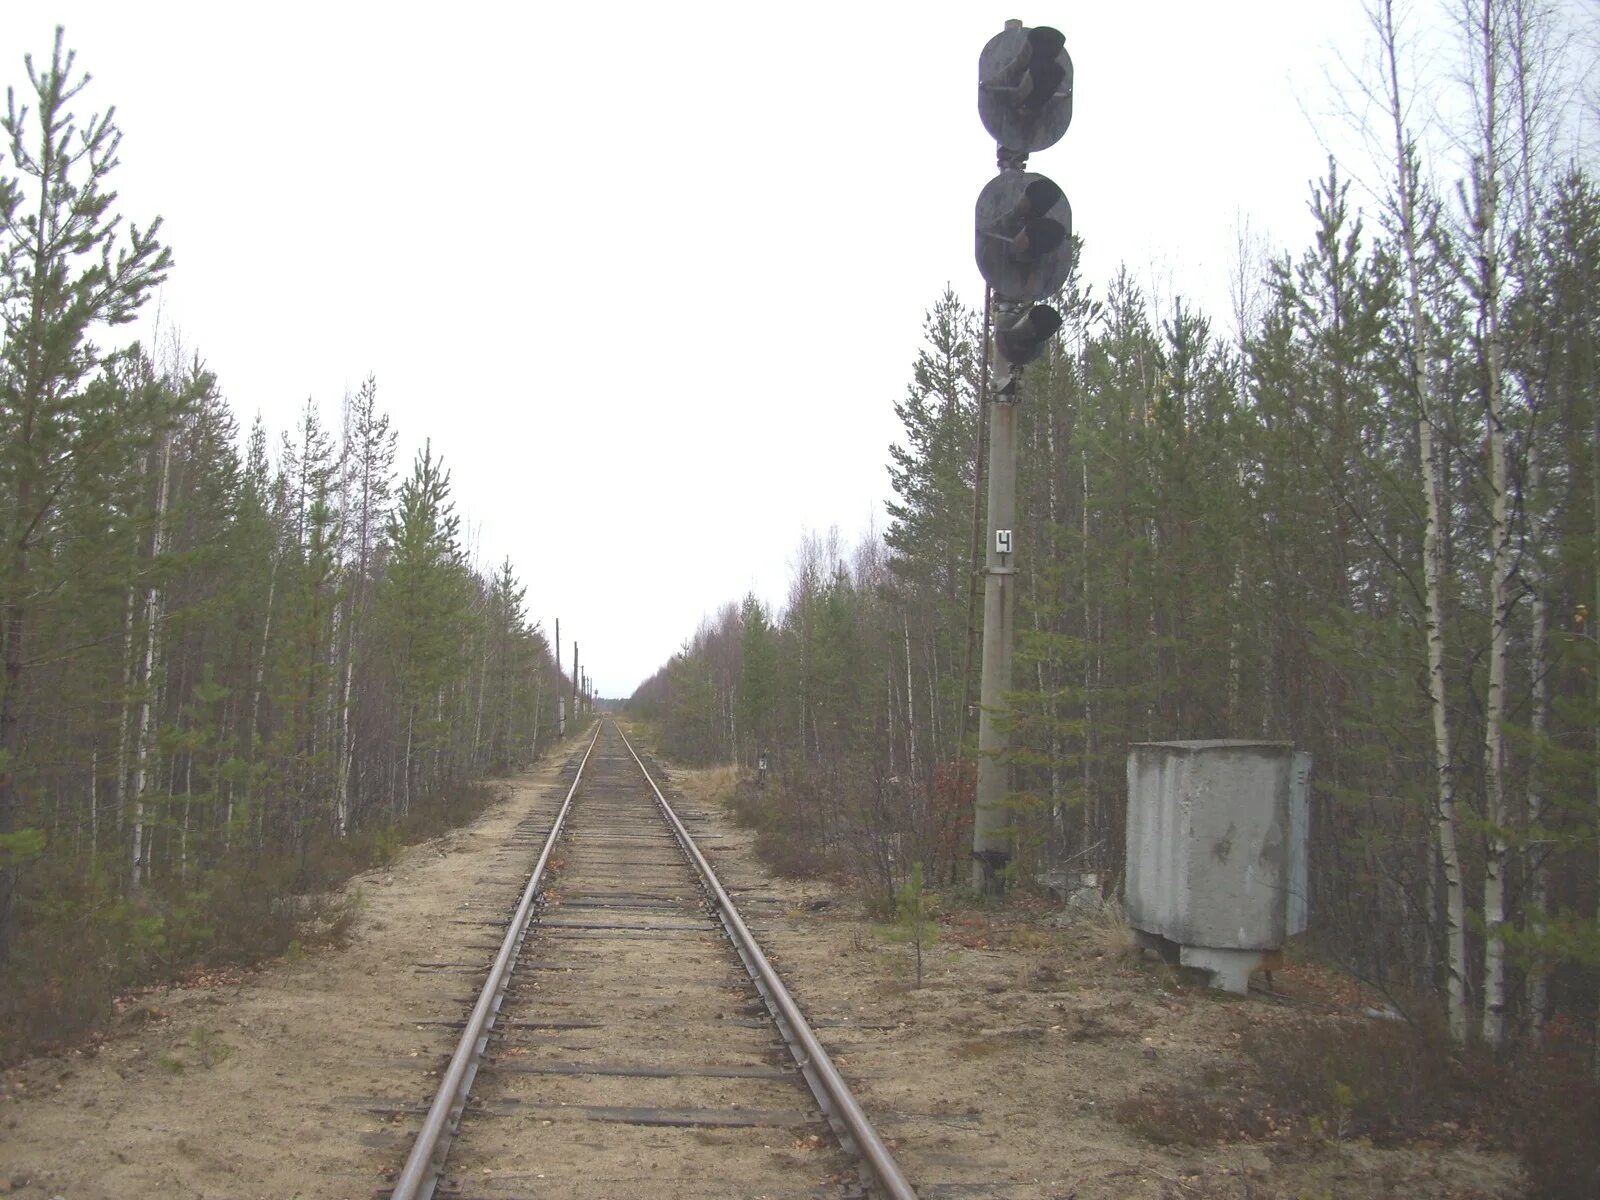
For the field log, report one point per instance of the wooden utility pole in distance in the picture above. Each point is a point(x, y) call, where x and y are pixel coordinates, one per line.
point(561, 692)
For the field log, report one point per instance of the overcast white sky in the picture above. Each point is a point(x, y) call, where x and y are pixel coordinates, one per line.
point(651, 276)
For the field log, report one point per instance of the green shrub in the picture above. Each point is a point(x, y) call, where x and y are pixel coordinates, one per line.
point(386, 845)
point(913, 913)
point(81, 939)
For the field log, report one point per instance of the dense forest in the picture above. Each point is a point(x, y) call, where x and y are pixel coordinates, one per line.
point(1359, 512)
point(232, 671)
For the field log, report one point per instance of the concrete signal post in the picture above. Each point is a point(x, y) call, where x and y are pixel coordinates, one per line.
point(1024, 251)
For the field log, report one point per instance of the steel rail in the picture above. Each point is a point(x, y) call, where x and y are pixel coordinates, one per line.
point(827, 1085)
point(420, 1175)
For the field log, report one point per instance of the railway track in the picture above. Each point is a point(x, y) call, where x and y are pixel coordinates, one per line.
point(631, 1038)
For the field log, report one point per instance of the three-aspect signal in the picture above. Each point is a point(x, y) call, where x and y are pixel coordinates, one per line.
point(1023, 221)
point(1024, 245)
point(1024, 249)
point(1025, 88)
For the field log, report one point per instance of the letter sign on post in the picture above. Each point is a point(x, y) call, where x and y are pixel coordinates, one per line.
point(1002, 541)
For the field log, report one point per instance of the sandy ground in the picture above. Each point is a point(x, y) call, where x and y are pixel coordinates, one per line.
point(250, 1090)
point(995, 1078)
point(1028, 1030)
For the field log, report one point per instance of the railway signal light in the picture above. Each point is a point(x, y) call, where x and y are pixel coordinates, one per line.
point(1024, 250)
point(1025, 339)
point(1025, 88)
point(1024, 236)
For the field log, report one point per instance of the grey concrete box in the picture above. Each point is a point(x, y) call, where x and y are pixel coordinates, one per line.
point(1217, 834)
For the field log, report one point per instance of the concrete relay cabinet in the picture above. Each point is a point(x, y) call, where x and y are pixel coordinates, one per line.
point(1217, 845)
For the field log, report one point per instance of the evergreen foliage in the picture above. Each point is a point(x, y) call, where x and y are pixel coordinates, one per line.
point(227, 677)
point(1230, 537)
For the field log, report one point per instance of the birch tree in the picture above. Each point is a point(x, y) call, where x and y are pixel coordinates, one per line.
point(1410, 214)
point(1531, 66)
point(1483, 28)
point(369, 450)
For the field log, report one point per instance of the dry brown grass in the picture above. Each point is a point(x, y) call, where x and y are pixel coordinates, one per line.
point(1105, 933)
point(707, 785)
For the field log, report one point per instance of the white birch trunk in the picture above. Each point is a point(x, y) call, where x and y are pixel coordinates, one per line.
point(94, 803)
point(125, 723)
point(1527, 58)
point(1091, 807)
point(477, 716)
point(258, 685)
point(911, 709)
point(1446, 821)
point(188, 800)
point(1594, 632)
point(1056, 842)
point(1538, 886)
point(1057, 816)
point(538, 696)
point(405, 766)
point(1445, 818)
point(341, 800)
point(152, 614)
point(1496, 811)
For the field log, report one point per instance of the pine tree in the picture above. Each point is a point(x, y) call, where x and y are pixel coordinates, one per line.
point(930, 528)
point(67, 269)
point(758, 681)
point(422, 603)
point(368, 454)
